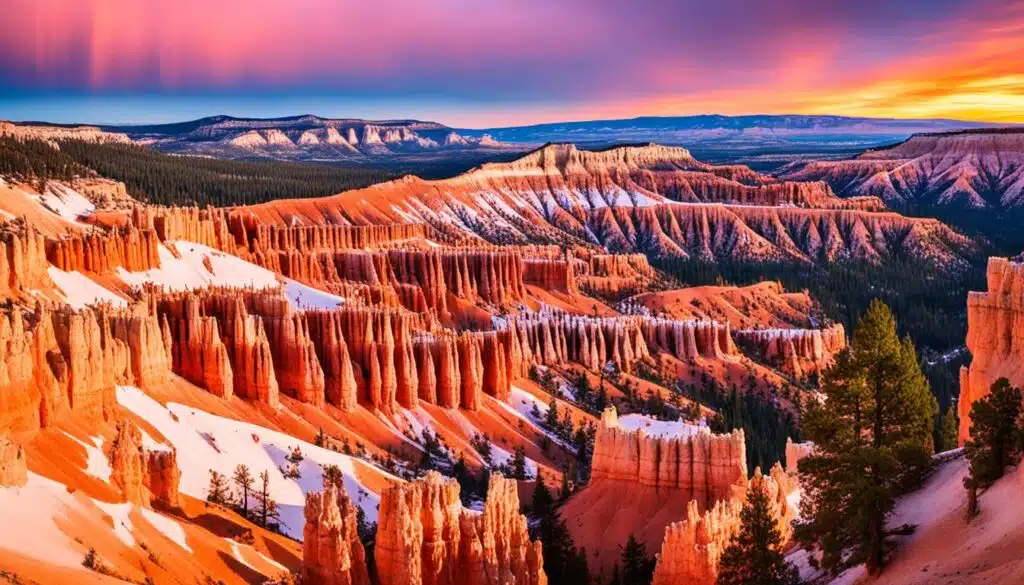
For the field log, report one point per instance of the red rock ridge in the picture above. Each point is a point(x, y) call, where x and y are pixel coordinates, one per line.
point(550, 274)
point(799, 352)
point(704, 467)
point(162, 477)
point(332, 553)
point(995, 337)
point(133, 249)
point(425, 536)
point(143, 476)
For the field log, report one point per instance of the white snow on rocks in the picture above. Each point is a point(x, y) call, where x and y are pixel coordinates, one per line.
point(304, 297)
point(97, 464)
point(665, 429)
point(206, 442)
point(190, 272)
point(79, 291)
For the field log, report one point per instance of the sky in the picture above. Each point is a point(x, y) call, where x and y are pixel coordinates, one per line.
point(489, 63)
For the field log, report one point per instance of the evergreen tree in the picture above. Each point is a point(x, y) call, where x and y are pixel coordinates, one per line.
point(872, 431)
point(949, 424)
point(518, 464)
point(995, 438)
point(244, 481)
point(754, 555)
point(267, 514)
point(637, 568)
point(333, 476)
point(217, 492)
point(564, 564)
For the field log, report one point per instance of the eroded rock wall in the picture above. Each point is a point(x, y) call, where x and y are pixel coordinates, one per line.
point(798, 352)
point(133, 249)
point(425, 536)
point(332, 553)
point(703, 466)
point(995, 336)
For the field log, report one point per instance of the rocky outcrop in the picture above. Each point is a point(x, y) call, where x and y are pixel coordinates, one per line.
point(703, 466)
point(995, 337)
point(207, 226)
point(425, 536)
point(590, 341)
point(22, 261)
point(61, 360)
point(794, 453)
point(322, 238)
point(162, 477)
point(13, 466)
point(54, 134)
point(693, 547)
point(128, 463)
point(975, 168)
point(685, 340)
point(619, 266)
point(798, 352)
point(132, 249)
point(550, 274)
point(332, 553)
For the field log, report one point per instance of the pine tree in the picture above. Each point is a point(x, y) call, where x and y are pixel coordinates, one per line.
point(754, 555)
point(637, 568)
point(996, 438)
point(948, 430)
point(518, 464)
point(333, 476)
point(244, 481)
point(217, 492)
point(266, 507)
point(873, 430)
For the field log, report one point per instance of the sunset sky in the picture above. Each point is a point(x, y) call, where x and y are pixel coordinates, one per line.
point(481, 63)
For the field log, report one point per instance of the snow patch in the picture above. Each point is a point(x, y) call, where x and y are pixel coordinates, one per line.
point(166, 526)
point(79, 291)
point(304, 297)
point(652, 427)
point(97, 464)
point(190, 271)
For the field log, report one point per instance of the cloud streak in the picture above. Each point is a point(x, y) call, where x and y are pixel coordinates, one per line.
point(524, 61)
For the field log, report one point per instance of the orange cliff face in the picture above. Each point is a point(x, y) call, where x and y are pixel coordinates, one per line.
point(797, 352)
point(664, 476)
point(653, 199)
point(132, 249)
point(995, 337)
point(424, 535)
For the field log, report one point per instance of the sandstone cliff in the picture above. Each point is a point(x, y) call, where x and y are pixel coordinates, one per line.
point(22, 261)
point(995, 336)
point(798, 352)
point(332, 553)
point(132, 249)
point(425, 536)
point(794, 453)
point(162, 477)
point(704, 467)
point(128, 464)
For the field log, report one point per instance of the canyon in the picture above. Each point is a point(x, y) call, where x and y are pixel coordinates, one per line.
point(355, 350)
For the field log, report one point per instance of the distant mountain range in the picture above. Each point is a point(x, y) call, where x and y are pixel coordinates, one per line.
point(764, 141)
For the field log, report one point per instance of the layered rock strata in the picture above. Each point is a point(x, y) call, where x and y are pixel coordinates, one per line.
point(425, 536)
point(550, 274)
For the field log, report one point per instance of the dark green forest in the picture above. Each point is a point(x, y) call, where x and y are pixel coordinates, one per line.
point(168, 179)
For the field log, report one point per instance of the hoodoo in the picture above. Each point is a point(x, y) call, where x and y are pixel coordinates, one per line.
point(995, 338)
point(332, 553)
point(426, 536)
point(13, 467)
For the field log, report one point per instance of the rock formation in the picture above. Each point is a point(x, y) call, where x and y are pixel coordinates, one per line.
point(332, 553)
point(13, 467)
point(693, 547)
point(974, 168)
point(704, 467)
point(550, 274)
point(128, 463)
point(798, 352)
point(162, 477)
point(794, 453)
point(22, 261)
point(132, 249)
point(995, 337)
point(425, 536)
